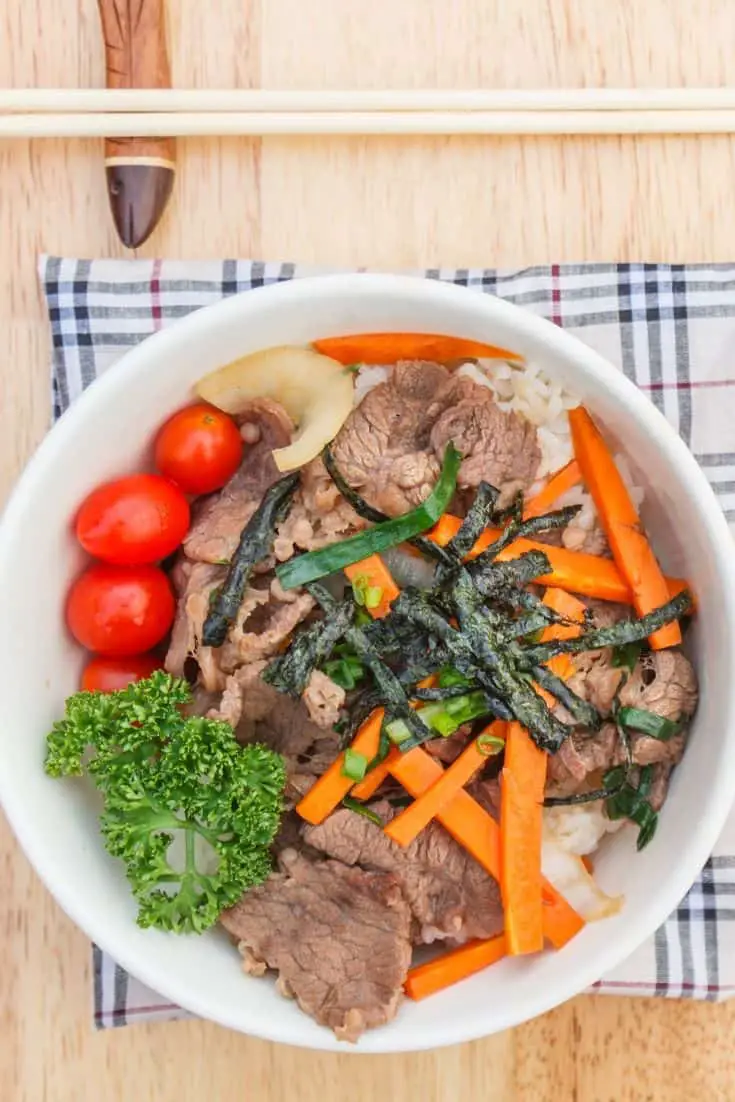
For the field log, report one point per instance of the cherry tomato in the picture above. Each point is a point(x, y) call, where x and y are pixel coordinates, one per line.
point(105, 675)
point(134, 520)
point(199, 449)
point(120, 610)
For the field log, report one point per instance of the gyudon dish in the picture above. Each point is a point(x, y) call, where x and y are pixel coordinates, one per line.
point(419, 658)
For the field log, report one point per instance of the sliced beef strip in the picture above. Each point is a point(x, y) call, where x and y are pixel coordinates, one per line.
point(219, 519)
point(606, 613)
point(450, 895)
point(660, 784)
point(202, 702)
point(338, 938)
point(487, 794)
point(448, 749)
point(259, 713)
point(265, 620)
point(579, 756)
point(383, 448)
point(595, 678)
point(592, 541)
point(497, 447)
point(194, 583)
point(323, 699)
point(319, 515)
point(663, 682)
point(583, 759)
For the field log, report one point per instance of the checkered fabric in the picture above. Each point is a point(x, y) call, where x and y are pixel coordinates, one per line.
point(670, 328)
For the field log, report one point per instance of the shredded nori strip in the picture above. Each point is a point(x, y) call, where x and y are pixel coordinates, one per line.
point(527, 706)
point(521, 529)
point(584, 712)
point(582, 797)
point(449, 692)
point(490, 577)
point(625, 631)
point(479, 517)
point(392, 693)
point(256, 543)
point(290, 671)
point(473, 648)
point(363, 707)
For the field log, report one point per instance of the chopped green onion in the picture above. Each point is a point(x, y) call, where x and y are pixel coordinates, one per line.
point(614, 778)
point(328, 560)
point(352, 369)
point(647, 723)
point(373, 596)
point(460, 709)
point(626, 656)
point(355, 765)
point(443, 717)
point(489, 745)
point(397, 731)
point(444, 724)
point(645, 780)
point(360, 809)
point(647, 819)
point(359, 585)
point(345, 672)
point(632, 803)
point(449, 677)
point(365, 594)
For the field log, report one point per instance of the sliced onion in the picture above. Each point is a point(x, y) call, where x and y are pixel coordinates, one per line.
point(569, 875)
point(315, 391)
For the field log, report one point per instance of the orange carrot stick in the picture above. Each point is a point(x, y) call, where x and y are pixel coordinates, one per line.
point(555, 488)
point(523, 781)
point(572, 609)
point(619, 518)
point(333, 785)
point(522, 785)
point(372, 574)
point(435, 975)
point(590, 575)
point(411, 821)
point(386, 348)
point(471, 826)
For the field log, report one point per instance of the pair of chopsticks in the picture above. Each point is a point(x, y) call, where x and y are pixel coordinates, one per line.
point(89, 112)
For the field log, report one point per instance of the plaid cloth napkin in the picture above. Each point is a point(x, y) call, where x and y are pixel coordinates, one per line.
point(670, 328)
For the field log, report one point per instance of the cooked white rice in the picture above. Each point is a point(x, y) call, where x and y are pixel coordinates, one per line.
point(580, 829)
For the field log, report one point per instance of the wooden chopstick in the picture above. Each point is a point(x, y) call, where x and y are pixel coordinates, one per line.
point(240, 100)
point(223, 123)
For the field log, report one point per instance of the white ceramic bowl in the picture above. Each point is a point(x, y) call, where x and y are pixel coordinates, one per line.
point(108, 432)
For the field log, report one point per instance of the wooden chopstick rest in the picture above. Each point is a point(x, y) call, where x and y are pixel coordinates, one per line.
point(140, 171)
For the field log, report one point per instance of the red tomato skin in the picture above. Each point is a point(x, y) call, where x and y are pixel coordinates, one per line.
point(199, 448)
point(116, 611)
point(106, 675)
point(139, 519)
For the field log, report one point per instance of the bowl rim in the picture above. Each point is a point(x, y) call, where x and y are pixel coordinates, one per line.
point(100, 396)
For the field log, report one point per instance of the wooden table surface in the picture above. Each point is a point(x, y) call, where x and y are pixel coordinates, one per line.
point(349, 201)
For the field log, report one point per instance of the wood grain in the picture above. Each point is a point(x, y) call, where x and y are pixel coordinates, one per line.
point(387, 204)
